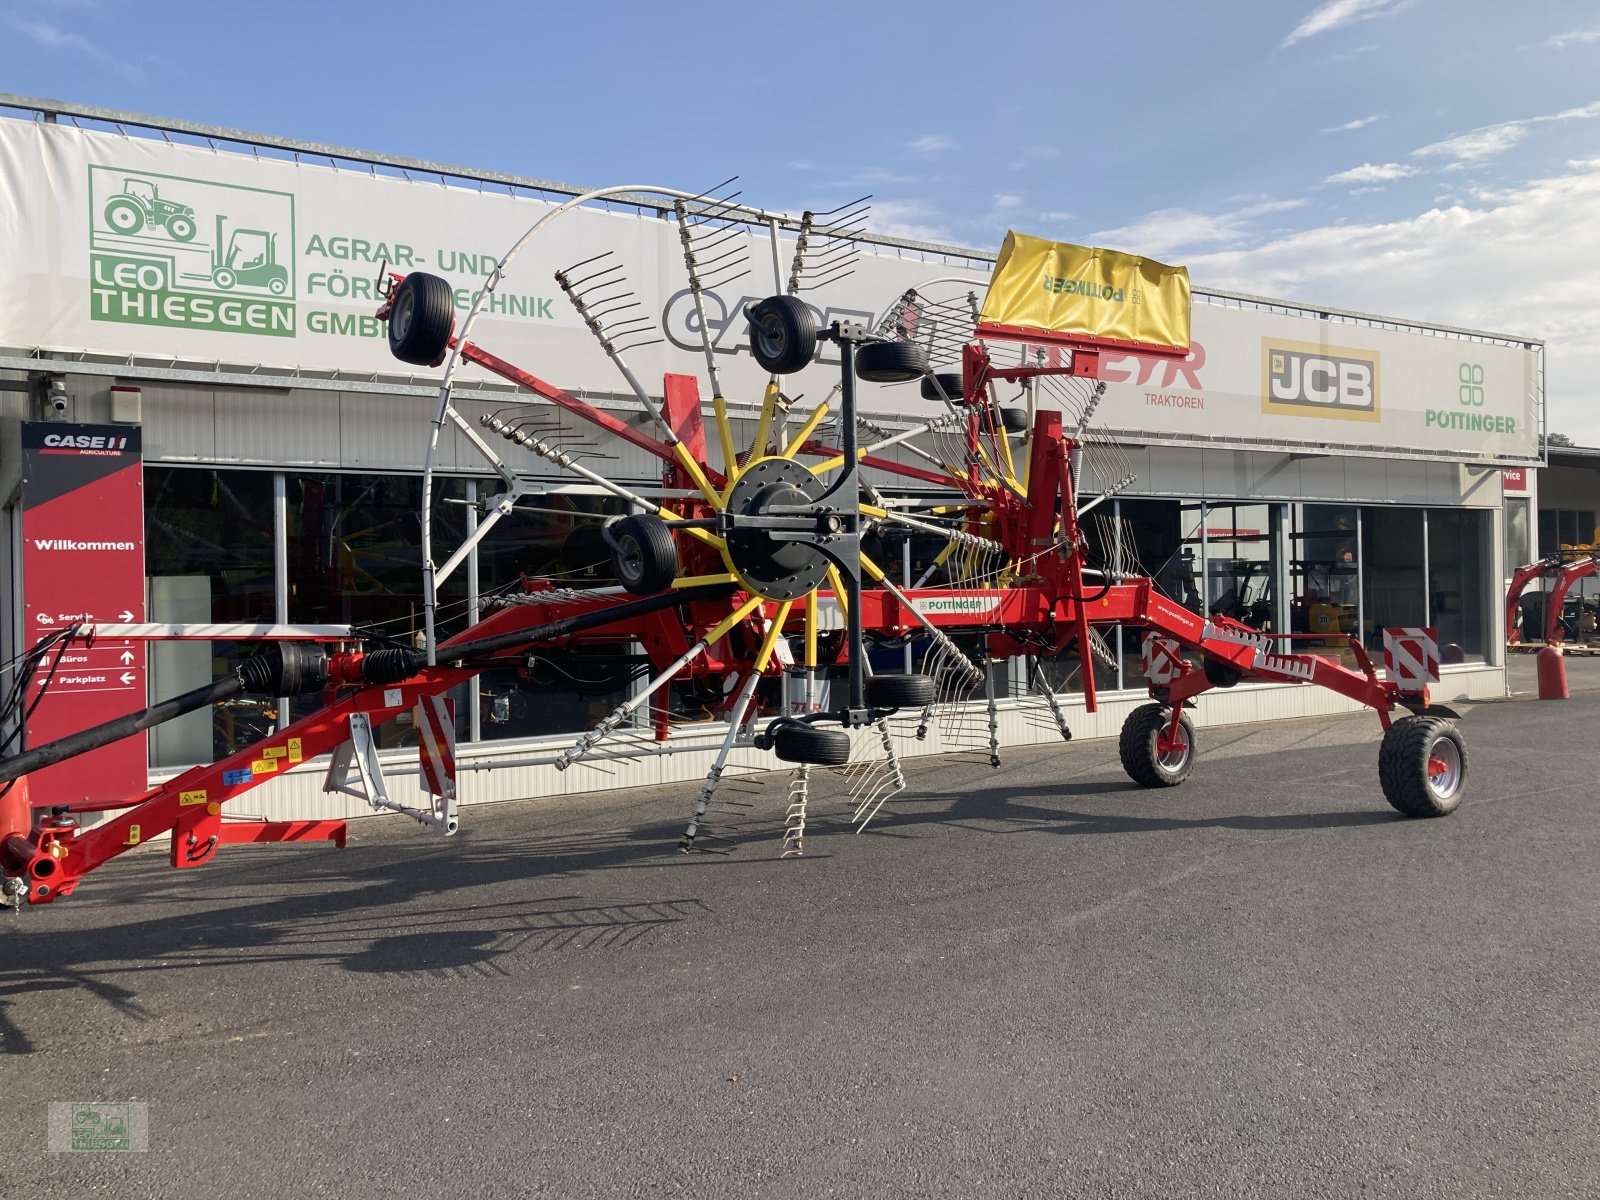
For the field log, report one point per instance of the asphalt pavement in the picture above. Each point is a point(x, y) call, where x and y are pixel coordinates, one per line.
point(1033, 981)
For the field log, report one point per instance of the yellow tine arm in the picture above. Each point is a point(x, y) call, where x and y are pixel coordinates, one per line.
point(816, 418)
point(773, 633)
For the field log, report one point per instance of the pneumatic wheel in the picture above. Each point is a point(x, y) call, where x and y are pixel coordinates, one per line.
point(812, 746)
point(783, 334)
point(1221, 674)
point(1149, 756)
point(643, 556)
point(942, 385)
point(180, 228)
point(900, 691)
point(1423, 766)
point(422, 316)
point(891, 362)
point(1015, 420)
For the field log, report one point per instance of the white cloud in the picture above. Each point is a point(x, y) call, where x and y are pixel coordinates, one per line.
point(1353, 53)
point(1006, 200)
point(931, 143)
point(1358, 123)
point(1480, 143)
point(1490, 140)
point(1518, 260)
point(1373, 173)
point(1176, 228)
point(802, 164)
point(1337, 13)
point(52, 37)
point(910, 219)
point(1577, 37)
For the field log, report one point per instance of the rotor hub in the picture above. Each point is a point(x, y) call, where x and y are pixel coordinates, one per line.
point(771, 561)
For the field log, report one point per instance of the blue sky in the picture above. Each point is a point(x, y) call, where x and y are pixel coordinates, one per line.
point(1435, 159)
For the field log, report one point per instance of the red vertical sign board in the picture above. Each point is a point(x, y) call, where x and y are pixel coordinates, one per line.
point(83, 560)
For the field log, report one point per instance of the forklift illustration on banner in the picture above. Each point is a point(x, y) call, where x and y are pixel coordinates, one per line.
point(250, 260)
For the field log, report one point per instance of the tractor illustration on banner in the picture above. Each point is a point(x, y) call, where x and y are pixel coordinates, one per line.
point(139, 206)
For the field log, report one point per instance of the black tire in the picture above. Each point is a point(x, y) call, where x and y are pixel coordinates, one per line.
point(813, 746)
point(950, 381)
point(783, 334)
point(1015, 420)
point(891, 362)
point(1143, 760)
point(643, 555)
point(124, 215)
point(1423, 766)
point(422, 316)
point(1221, 674)
point(900, 691)
point(180, 228)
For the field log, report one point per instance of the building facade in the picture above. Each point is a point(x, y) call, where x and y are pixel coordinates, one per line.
point(1304, 470)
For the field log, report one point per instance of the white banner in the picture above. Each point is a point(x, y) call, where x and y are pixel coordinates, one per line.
point(120, 246)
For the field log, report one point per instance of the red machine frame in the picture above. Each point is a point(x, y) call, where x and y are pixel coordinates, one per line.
point(1562, 570)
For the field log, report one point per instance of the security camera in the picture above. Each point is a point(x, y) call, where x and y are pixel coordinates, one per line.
point(57, 403)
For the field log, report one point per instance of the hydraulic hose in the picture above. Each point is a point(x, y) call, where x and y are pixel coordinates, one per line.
point(114, 731)
point(393, 664)
point(288, 669)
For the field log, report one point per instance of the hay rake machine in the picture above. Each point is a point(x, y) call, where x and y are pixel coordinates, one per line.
point(754, 580)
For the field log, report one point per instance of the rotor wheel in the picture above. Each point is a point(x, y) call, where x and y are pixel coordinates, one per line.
point(1150, 757)
point(422, 316)
point(943, 385)
point(900, 691)
point(783, 334)
point(891, 362)
point(643, 556)
point(1014, 420)
point(811, 745)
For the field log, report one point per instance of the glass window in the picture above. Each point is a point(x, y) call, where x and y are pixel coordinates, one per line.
point(557, 538)
point(1519, 549)
point(1458, 559)
point(208, 558)
point(1240, 563)
point(355, 558)
point(1324, 569)
point(1563, 528)
point(1395, 587)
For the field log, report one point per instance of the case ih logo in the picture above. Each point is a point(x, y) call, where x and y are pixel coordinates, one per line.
point(69, 443)
point(190, 254)
point(1319, 381)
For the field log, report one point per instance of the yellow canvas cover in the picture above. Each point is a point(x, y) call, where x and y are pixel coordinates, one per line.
point(1064, 288)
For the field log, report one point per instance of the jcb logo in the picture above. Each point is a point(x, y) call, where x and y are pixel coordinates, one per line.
point(1319, 381)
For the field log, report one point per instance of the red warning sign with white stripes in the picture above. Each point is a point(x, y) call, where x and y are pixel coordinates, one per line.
point(1162, 657)
point(1411, 656)
point(436, 744)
